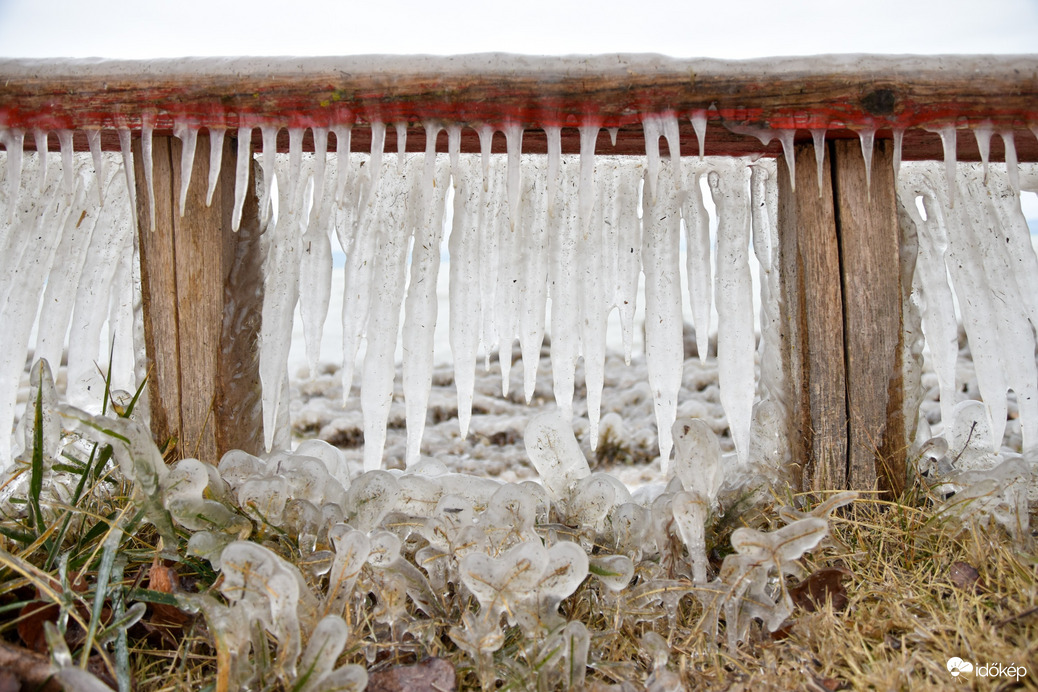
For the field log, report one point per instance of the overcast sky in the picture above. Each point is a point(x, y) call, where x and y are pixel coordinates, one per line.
point(680, 28)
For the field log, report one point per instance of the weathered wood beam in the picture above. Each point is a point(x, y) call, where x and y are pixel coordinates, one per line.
point(842, 93)
point(201, 298)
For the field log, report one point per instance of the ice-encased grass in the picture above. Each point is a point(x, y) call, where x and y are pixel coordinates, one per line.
point(519, 577)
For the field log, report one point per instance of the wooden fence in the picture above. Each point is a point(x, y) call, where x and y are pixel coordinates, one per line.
point(839, 240)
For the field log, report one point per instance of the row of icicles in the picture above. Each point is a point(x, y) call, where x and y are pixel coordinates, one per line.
point(579, 223)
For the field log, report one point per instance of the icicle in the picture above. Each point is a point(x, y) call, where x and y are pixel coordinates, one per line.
point(629, 250)
point(280, 295)
point(490, 223)
point(564, 232)
point(698, 262)
point(938, 313)
point(1012, 164)
point(20, 290)
point(454, 149)
point(69, 258)
point(868, 139)
point(13, 141)
point(270, 149)
point(514, 144)
point(390, 260)
point(533, 288)
point(401, 145)
point(320, 164)
point(464, 284)
point(295, 158)
point(188, 134)
point(42, 148)
point(147, 127)
point(506, 304)
point(216, 137)
point(899, 138)
point(983, 133)
point(315, 279)
point(421, 304)
point(241, 172)
point(760, 221)
point(65, 140)
point(554, 136)
point(112, 238)
point(818, 136)
point(342, 156)
point(486, 138)
point(94, 143)
point(131, 183)
point(598, 269)
point(585, 193)
point(669, 121)
point(786, 137)
point(699, 126)
point(664, 351)
point(378, 144)
point(734, 296)
point(613, 131)
point(652, 129)
point(948, 137)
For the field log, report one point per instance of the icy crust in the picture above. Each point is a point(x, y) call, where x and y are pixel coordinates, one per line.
point(976, 259)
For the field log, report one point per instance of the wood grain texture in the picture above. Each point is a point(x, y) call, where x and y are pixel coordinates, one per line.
point(871, 273)
point(159, 291)
point(813, 324)
point(204, 385)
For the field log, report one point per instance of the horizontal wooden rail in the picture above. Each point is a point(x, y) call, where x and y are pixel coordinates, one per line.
point(843, 94)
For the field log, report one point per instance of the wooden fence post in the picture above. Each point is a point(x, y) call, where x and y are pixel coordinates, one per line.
point(842, 291)
point(202, 295)
point(867, 224)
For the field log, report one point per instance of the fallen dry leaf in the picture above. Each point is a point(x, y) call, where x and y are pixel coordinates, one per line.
point(965, 576)
point(823, 584)
point(430, 675)
point(34, 614)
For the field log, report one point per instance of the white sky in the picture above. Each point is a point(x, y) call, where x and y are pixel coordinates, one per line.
point(680, 28)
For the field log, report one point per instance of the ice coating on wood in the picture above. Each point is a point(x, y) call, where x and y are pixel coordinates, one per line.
point(664, 348)
point(147, 129)
point(188, 134)
point(735, 338)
